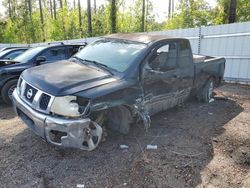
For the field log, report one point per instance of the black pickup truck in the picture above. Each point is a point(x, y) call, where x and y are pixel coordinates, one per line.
point(10, 70)
point(114, 81)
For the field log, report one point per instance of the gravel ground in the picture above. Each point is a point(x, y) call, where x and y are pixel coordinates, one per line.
point(199, 145)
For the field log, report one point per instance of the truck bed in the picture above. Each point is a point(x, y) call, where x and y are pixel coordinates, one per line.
point(207, 66)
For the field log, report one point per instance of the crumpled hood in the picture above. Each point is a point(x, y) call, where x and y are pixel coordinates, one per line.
point(66, 77)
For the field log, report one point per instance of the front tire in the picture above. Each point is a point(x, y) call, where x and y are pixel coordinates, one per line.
point(7, 91)
point(119, 119)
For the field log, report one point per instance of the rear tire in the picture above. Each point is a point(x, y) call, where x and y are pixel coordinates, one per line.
point(207, 91)
point(7, 91)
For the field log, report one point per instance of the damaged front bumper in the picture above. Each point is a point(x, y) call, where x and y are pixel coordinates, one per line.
point(75, 133)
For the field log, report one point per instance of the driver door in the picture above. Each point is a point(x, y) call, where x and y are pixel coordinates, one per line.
point(160, 78)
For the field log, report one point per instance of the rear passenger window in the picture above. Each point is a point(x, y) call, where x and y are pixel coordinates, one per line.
point(185, 57)
point(54, 54)
point(184, 48)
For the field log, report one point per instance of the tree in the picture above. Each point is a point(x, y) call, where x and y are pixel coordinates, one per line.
point(54, 7)
point(232, 12)
point(169, 9)
point(89, 18)
point(113, 16)
point(243, 11)
point(80, 16)
point(51, 8)
point(41, 17)
point(30, 7)
point(9, 8)
point(143, 16)
point(229, 11)
point(191, 13)
point(27, 20)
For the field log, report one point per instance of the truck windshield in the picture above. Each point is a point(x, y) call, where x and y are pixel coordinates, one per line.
point(117, 55)
point(28, 55)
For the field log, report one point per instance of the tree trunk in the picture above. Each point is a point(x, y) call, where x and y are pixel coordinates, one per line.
point(143, 16)
point(169, 9)
point(61, 4)
point(13, 9)
point(41, 17)
point(232, 11)
point(172, 9)
point(80, 17)
point(54, 2)
point(89, 18)
point(30, 7)
point(9, 7)
point(51, 8)
point(113, 16)
point(146, 14)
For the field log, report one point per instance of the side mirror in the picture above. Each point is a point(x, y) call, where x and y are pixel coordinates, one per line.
point(40, 59)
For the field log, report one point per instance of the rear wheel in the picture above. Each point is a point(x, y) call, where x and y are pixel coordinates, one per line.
point(7, 91)
point(207, 91)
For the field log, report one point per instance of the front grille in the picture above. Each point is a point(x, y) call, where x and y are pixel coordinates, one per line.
point(44, 101)
point(29, 93)
point(35, 98)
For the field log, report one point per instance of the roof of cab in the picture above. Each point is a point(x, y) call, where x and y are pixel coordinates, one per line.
point(140, 37)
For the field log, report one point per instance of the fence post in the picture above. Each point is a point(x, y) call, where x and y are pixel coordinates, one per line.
point(199, 40)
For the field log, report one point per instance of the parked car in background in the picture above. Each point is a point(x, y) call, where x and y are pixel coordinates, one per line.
point(10, 70)
point(115, 81)
point(10, 47)
point(12, 53)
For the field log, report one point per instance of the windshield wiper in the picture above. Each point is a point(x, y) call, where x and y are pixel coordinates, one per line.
point(103, 66)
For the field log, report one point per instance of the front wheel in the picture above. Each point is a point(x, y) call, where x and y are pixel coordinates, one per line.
point(207, 91)
point(7, 91)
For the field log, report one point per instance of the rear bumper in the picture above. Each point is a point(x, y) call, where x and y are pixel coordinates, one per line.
point(46, 126)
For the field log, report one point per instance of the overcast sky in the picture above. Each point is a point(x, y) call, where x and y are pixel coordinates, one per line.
point(160, 6)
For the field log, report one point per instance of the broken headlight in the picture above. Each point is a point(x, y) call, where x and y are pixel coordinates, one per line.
point(69, 106)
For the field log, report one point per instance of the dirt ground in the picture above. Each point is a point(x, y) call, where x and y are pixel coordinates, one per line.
point(199, 145)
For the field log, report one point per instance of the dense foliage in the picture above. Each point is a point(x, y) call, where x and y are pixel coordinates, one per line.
point(30, 21)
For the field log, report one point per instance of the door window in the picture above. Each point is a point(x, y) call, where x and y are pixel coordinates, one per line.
point(54, 54)
point(164, 58)
point(185, 57)
point(14, 54)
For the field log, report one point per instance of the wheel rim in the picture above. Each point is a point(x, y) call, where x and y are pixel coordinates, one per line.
point(10, 91)
point(210, 90)
point(92, 136)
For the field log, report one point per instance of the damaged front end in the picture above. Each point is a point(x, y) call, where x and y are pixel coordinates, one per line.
point(73, 121)
point(63, 121)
